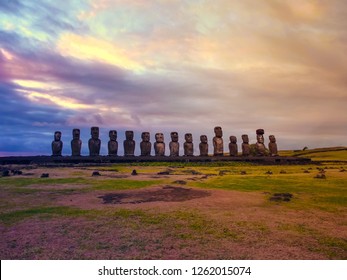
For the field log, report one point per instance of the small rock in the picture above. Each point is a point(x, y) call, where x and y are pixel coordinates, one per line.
point(44, 175)
point(134, 172)
point(283, 172)
point(289, 195)
point(243, 172)
point(306, 171)
point(5, 173)
point(269, 172)
point(180, 182)
point(192, 172)
point(17, 172)
point(275, 198)
point(320, 176)
point(164, 173)
point(281, 197)
point(96, 173)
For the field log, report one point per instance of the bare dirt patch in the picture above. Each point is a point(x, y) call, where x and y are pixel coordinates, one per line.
point(165, 194)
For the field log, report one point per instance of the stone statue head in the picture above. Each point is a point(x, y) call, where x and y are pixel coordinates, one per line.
point(129, 135)
point(218, 131)
point(203, 139)
point(188, 137)
point(159, 137)
point(113, 135)
point(145, 136)
point(272, 138)
point(76, 134)
point(57, 136)
point(94, 131)
point(233, 139)
point(174, 136)
point(260, 138)
point(245, 138)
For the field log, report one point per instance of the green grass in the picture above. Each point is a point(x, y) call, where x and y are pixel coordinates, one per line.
point(329, 156)
point(19, 184)
point(43, 212)
point(320, 154)
point(327, 194)
point(24, 182)
point(121, 184)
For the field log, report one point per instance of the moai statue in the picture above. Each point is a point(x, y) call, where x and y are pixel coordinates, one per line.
point(203, 146)
point(218, 141)
point(94, 143)
point(174, 145)
point(129, 143)
point(246, 150)
point(273, 146)
point(188, 145)
point(112, 144)
point(233, 146)
point(76, 143)
point(259, 146)
point(159, 145)
point(57, 144)
point(145, 145)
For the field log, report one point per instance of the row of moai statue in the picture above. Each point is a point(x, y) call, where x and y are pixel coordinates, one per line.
point(94, 144)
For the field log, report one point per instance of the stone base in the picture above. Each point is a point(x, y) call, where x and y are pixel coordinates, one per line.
point(43, 160)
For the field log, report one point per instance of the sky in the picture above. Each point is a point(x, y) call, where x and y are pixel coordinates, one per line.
point(172, 65)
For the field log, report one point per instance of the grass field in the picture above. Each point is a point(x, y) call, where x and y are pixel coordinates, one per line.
point(191, 211)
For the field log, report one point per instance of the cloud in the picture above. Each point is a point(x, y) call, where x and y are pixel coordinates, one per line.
point(160, 66)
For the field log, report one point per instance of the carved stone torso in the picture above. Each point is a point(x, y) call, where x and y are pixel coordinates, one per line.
point(94, 143)
point(188, 149)
point(259, 146)
point(174, 149)
point(76, 145)
point(233, 149)
point(218, 146)
point(57, 147)
point(159, 145)
point(112, 145)
point(57, 144)
point(129, 147)
point(188, 145)
point(203, 146)
point(273, 149)
point(273, 146)
point(145, 147)
point(94, 146)
point(159, 149)
point(246, 150)
point(112, 148)
point(129, 143)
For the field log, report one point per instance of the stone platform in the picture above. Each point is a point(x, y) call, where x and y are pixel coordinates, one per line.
point(43, 160)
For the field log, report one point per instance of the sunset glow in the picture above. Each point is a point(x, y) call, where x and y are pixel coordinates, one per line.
point(183, 66)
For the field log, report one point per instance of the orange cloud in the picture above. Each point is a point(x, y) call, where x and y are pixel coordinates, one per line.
point(90, 48)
